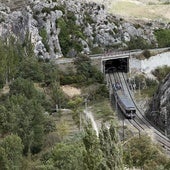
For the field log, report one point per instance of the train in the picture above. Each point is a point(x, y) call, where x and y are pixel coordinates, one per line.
point(124, 102)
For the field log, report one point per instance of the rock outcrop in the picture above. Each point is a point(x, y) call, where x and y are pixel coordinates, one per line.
point(95, 30)
point(159, 110)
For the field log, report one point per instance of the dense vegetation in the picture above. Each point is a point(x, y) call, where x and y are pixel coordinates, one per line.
point(70, 32)
point(30, 135)
point(34, 91)
point(146, 86)
point(141, 152)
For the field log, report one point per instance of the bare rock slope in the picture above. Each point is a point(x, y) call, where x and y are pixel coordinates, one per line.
point(66, 28)
point(159, 110)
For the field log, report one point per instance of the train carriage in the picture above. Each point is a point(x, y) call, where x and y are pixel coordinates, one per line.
point(125, 103)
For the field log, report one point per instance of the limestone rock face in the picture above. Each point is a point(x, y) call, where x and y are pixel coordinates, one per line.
point(97, 28)
point(30, 19)
point(159, 110)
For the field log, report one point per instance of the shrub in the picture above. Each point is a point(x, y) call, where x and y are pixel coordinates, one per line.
point(142, 82)
point(150, 82)
point(96, 50)
point(161, 72)
point(43, 34)
point(138, 43)
point(146, 54)
point(88, 18)
point(46, 10)
point(60, 8)
point(69, 34)
point(163, 37)
point(86, 73)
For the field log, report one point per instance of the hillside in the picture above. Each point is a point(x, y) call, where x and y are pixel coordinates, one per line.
point(66, 28)
point(47, 114)
point(159, 107)
point(139, 9)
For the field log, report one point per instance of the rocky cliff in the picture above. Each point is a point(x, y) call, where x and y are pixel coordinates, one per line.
point(60, 27)
point(159, 110)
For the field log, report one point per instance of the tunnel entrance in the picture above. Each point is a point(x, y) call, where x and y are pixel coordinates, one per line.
point(120, 64)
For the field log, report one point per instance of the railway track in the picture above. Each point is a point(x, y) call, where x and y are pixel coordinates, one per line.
point(133, 122)
point(160, 137)
point(141, 118)
point(140, 122)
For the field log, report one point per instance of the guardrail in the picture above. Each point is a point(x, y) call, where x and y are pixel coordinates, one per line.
point(127, 52)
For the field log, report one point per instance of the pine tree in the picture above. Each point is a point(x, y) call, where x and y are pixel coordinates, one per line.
point(92, 157)
point(111, 147)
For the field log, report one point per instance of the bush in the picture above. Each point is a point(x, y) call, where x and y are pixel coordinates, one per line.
point(88, 18)
point(96, 50)
point(43, 34)
point(46, 10)
point(146, 54)
point(60, 8)
point(70, 34)
point(138, 43)
point(147, 85)
point(151, 82)
point(163, 37)
point(161, 72)
point(88, 73)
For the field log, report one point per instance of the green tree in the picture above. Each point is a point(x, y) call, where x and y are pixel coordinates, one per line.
point(111, 148)
point(11, 149)
point(64, 37)
point(86, 72)
point(31, 69)
point(57, 95)
point(7, 120)
point(44, 35)
point(10, 56)
point(161, 72)
point(117, 149)
point(143, 153)
point(83, 66)
point(28, 47)
point(23, 87)
point(29, 123)
point(68, 156)
point(50, 72)
point(92, 156)
point(70, 33)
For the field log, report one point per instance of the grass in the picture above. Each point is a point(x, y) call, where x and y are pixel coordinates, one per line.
point(140, 9)
point(149, 91)
point(102, 109)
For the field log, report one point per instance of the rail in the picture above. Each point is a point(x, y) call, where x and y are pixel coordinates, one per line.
point(159, 135)
point(133, 122)
point(140, 122)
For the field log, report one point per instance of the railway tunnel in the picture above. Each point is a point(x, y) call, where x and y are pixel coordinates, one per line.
point(116, 64)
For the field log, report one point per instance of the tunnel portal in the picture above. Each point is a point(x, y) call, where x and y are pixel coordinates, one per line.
point(119, 65)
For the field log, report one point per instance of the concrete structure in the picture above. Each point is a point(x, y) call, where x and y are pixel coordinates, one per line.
point(116, 59)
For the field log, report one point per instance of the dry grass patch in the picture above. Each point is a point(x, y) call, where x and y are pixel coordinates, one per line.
point(141, 9)
point(71, 91)
point(5, 90)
